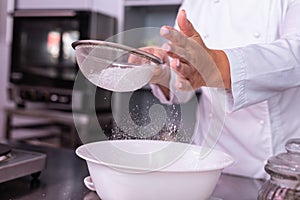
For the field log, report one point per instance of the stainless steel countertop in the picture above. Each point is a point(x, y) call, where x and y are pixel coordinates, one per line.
point(63, 179)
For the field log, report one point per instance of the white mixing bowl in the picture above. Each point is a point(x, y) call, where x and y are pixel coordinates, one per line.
point(152, 170)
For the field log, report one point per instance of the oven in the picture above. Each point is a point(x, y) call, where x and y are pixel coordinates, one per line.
point(43, 67)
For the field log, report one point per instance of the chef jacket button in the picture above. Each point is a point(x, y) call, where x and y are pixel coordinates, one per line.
point(256, 35)
point(210, 115)
point(216, 1)
point(261, 122)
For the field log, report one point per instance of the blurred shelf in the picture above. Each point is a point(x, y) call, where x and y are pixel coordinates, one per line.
point(151, 2)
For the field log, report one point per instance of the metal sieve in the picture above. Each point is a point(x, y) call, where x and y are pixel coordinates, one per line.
point(113, 66)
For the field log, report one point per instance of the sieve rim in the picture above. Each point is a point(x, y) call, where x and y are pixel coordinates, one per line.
point(138, 52)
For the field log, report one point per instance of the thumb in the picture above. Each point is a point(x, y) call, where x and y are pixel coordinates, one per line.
point(187, 28)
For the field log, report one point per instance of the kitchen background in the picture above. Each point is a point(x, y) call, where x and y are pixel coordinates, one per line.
point(63, 176)
point(125, 15)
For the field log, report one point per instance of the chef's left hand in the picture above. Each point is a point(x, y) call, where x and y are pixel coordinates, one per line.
point(195, 64)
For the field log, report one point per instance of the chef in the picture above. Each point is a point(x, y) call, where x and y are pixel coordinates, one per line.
point(252, 48)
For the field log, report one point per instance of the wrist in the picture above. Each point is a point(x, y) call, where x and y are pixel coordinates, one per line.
point(222, 62)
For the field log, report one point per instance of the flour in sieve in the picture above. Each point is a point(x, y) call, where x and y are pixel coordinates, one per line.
point(121, 79)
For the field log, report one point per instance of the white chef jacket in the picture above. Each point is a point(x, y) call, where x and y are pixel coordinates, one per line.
point(262, 41)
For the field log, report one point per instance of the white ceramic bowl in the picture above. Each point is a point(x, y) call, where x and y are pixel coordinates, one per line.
point(152, 170)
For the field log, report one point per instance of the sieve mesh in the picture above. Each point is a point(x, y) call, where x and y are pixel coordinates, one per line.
point(113, 66)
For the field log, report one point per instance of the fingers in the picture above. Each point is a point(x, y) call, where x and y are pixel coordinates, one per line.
point(177, 52)
point(182, 69)
point(156, 51)
point(187, 31)
point(173, 35)
point(180, 62)
point(133, 59)
point(180, 45)
point(183, 84)
point(187, 28)
point(185, 25)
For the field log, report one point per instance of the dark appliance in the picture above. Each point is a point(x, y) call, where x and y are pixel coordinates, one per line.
point(43, 66)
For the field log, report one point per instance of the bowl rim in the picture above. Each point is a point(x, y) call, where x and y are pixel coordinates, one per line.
point(229, 159)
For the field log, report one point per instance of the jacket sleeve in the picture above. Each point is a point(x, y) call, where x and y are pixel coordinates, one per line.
point(261, 71)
